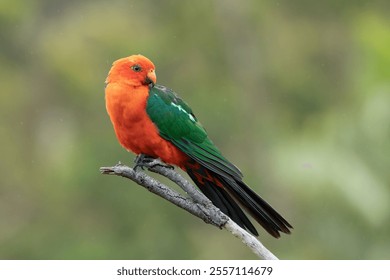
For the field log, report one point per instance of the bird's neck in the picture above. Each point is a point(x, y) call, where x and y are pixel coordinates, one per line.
point(122, 98)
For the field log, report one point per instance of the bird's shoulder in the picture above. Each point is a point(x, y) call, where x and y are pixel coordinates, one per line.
point(165, 97)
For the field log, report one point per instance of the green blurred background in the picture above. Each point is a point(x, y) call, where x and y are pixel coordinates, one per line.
point(296, 93)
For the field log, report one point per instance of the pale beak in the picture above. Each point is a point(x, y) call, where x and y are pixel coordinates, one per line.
point(151, 77)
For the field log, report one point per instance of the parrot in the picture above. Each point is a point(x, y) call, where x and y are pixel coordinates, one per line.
point(151, 120)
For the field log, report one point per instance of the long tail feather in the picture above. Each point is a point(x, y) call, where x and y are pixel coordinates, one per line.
point(227, 193)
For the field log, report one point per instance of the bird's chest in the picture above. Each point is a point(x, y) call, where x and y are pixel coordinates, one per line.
point(133, 127)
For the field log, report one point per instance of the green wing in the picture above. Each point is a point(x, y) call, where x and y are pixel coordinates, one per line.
point(177, 124)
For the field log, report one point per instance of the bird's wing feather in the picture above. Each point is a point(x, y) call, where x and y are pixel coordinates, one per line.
point(177, 124)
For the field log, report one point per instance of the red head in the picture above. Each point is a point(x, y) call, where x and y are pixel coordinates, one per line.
point(135, 70)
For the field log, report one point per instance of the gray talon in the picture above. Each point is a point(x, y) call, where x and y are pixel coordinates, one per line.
point(143, 161)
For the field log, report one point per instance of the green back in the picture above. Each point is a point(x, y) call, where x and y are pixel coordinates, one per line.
point(177, 124)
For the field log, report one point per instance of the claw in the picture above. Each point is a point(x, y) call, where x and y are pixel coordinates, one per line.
point(143, 161)
point(140, 161)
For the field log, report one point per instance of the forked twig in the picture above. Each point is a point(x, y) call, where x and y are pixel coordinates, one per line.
point(197, 203)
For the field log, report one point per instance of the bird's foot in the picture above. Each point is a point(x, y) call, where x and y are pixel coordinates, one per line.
point(143, 160)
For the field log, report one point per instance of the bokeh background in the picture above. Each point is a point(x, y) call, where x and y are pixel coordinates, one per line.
point(296, 93)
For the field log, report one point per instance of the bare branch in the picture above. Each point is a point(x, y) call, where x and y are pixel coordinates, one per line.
point(197, 204)
point(209, 214)
point(249, 240)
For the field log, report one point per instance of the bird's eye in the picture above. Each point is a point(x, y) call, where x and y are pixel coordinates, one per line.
point(136, 68)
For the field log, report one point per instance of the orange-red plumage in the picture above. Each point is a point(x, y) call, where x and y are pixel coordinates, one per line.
point(126, 96)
